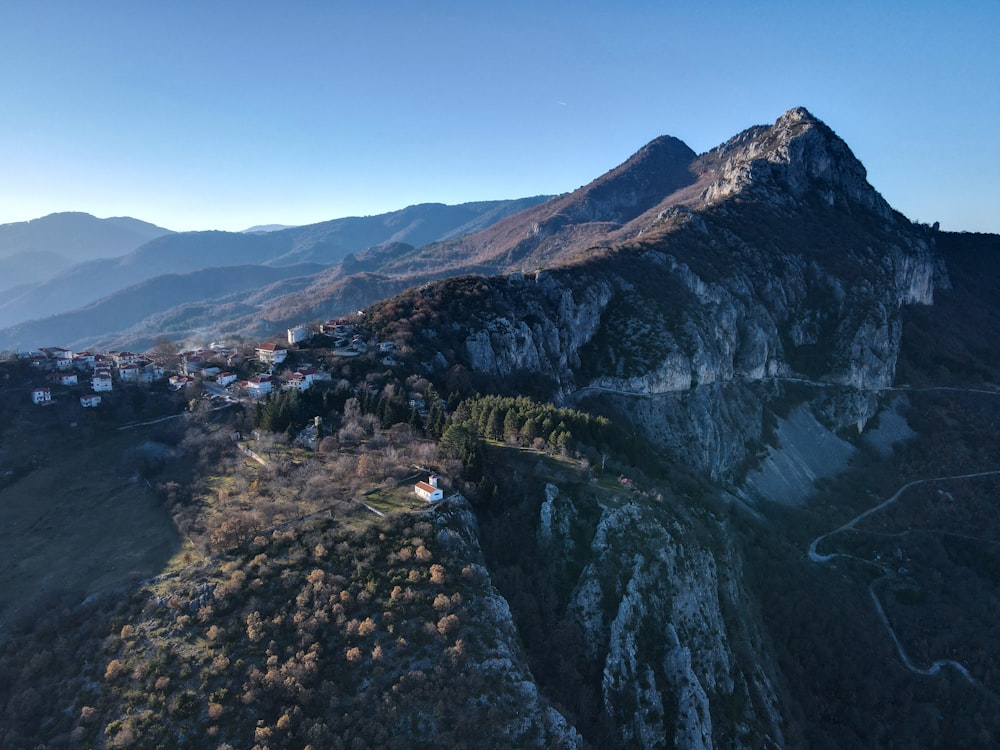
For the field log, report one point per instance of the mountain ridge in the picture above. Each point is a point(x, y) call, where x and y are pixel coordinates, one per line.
point(325, 243)
point(31, 251)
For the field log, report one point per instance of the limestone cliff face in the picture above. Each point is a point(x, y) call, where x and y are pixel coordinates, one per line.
point(547, 324)
point(533, 723)
point(794, 268)
point(663, 614)
point(797, 155)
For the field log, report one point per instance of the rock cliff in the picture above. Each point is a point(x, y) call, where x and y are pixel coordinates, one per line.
point(793, 268)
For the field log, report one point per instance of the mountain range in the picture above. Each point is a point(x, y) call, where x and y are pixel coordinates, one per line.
point(30, 251)
point(720, 432)
point(158, 260)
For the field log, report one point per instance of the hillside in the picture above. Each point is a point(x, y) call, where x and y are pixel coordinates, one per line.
point(31, 251)
point(326, 244)
point(721, 474)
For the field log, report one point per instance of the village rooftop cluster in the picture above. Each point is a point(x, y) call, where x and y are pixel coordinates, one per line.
point(89, 375)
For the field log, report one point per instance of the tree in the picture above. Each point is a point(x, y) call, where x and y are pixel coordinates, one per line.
point(165, 352)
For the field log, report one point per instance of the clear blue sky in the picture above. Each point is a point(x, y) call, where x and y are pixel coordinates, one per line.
point(222, 115)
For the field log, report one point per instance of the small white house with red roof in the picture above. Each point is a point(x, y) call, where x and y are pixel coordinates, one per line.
point(226, 378)
point(129, 373)
point(90, 400)
point(429, 490)
point(259, 385)
point(101, 381)
point(298, 381)
point(123, 358)
point(41, 396)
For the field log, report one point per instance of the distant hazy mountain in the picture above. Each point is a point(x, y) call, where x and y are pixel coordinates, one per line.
point(326, 244)
point(127, 309)
point(267, 228)
point(34, 250)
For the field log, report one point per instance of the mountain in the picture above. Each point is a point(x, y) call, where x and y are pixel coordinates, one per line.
point(33, 250)
point(750, 324)
point(267, 228)
point(108, 321)
point(719, 436)
point(326, 243)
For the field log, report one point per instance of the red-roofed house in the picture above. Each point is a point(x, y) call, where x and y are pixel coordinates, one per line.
point(41, 396)
point(259, 386)
point(90, 400)
point(429, 490)
point(129, 373)
point(272, 354)
point(298, 381)
point(101, 381)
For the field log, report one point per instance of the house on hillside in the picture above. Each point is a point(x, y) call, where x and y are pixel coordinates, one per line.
point(298, 381)
point(271, 354)
point(84, 360)
point(299, 333)
point(41, 396)
point(259, 386)
point(225, 378)
point(63, 378)
point(123, 358)
point(101, 381)
point(192, 365)
point(429, 490)
point(180, 381)
point(129, 373)
point(90, 400)
point(62, 357)
point(154, 370)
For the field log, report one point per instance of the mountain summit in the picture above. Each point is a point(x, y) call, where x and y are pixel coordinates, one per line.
point(798, 154)
point(796, 158)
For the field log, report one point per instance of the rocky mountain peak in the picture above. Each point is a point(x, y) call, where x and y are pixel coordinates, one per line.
point(796, 156)
point(657, 169)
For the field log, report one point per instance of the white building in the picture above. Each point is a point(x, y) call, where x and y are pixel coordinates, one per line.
point(225, 378)
point(64, 378)
point(259, 386)
point(298, 381)
point(271, 354)
point(90, 400)
point(41, 396)
point(101, 381)
point(429, 490)
point(299, 333)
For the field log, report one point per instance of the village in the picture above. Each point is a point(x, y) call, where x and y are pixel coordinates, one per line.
point(309, 355)
point(224, 370)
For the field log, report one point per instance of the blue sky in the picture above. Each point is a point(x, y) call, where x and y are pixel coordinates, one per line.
point(222, 115)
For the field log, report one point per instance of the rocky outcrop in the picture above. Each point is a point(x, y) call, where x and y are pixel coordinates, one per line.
point(500, 661)
point(547, 324)
point(651, 603)
point(794, 268)
point(798, 154)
